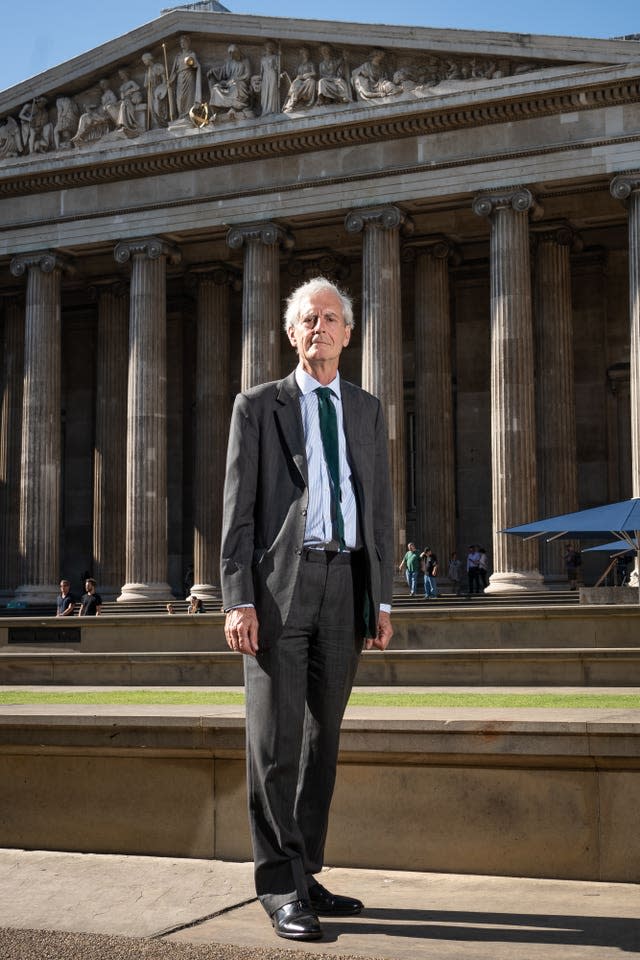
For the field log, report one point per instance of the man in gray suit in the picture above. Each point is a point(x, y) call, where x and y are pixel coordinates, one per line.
point(307, 570)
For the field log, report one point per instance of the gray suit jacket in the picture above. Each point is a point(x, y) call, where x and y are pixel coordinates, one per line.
point(266, 498)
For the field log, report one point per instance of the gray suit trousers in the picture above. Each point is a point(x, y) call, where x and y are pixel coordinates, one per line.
point(296, 693)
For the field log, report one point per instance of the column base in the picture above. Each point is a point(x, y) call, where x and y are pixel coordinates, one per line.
point(37, 593)
point(206, 591)
point(145, 591)
point(527, 581)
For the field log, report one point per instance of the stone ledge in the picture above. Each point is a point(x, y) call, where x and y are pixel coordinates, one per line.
point(439, 626)
point(509, 792)
point(420, 731)
point(552, 665)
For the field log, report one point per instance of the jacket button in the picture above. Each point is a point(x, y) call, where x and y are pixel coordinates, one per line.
point(304, 513)
point(298, 551)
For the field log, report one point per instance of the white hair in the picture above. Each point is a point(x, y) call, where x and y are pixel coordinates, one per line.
point(308, 289)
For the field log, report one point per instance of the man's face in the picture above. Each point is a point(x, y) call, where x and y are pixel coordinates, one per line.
point(320, 332)
point(64, 588)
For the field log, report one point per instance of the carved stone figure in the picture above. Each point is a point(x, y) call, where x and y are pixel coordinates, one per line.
point(124, 114)
point(10, 140)
point(302, 91)
point(267, 84)
point(408, 78)
point(37, 131)
point(371, 81)
point(333, 74)
point(155, 84)
point(187, 77)
point(66, 125)
point(230, 85)
point(97, 119)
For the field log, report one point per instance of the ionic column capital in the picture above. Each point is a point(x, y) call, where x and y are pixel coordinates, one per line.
point(218, 274)
point(519, 199)
point(385, 218)
point(623, 185)
point(46, 260)
point(436, 247)
point(151, 247)
point(560, 232)
point(269, 234)
point(116, 286)
point(319, 263)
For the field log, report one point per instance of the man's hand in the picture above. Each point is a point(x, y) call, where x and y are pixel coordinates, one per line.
point(385, 632)
point(241, 630)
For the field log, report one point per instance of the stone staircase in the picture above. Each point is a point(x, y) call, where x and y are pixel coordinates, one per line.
point(459, 641)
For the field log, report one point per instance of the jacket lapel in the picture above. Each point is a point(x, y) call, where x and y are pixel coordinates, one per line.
point(352, 420)
point(289, 419)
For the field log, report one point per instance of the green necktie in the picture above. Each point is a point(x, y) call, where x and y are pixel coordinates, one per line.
point(329, 432)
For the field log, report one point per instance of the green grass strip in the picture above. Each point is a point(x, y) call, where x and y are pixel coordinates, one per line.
point(186, 697)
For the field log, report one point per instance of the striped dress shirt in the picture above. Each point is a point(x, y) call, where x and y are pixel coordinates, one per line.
point(319, 528)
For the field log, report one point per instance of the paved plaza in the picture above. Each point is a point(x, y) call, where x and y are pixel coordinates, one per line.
point(63, 906)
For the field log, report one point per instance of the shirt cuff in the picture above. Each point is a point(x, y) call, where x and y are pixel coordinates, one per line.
point(385, 608)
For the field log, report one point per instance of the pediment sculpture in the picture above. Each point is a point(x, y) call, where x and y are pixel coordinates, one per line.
point(162, 91)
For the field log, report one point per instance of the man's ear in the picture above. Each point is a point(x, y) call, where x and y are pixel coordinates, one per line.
point(292, 338)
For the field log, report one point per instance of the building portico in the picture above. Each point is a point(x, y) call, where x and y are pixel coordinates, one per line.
point(468, 196)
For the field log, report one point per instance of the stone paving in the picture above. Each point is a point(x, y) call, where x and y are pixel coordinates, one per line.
point(65, 906)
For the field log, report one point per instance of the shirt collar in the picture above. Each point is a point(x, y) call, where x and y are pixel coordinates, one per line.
point(308, 384)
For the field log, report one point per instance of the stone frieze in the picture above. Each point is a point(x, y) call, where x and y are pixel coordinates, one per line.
point(202, 84)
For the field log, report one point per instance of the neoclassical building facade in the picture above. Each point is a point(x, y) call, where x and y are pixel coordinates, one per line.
point(477, 193)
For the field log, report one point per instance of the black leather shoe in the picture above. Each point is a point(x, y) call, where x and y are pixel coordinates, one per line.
point(296, 921)
point(327, 904)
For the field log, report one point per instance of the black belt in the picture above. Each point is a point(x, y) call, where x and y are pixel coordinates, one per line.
point(330, 556)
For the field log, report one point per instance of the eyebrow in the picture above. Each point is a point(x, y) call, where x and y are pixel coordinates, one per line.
point(314, 314)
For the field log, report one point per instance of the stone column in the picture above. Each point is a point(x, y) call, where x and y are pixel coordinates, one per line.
point(627, 189)
point(11, 377)
point(261, 307)
point(39, 529)
point(212, 424)
point(110, 451)
point(146, 511)
point(434, 427)
point(513, 422)
point(382, 336)
point(555, 395)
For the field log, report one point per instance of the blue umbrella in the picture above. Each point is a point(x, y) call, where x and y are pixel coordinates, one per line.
point(614, 547)
point(621, 520)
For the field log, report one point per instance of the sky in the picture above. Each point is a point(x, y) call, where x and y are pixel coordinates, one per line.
point(39, 34)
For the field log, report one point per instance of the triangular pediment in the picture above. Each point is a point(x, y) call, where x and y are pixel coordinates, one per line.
point(144, 84)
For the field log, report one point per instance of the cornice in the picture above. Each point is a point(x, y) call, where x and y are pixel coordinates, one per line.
point(409, 120)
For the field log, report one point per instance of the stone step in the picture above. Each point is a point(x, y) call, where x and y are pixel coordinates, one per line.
point(574, 667)
point(431, 626)
point(401, 601)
